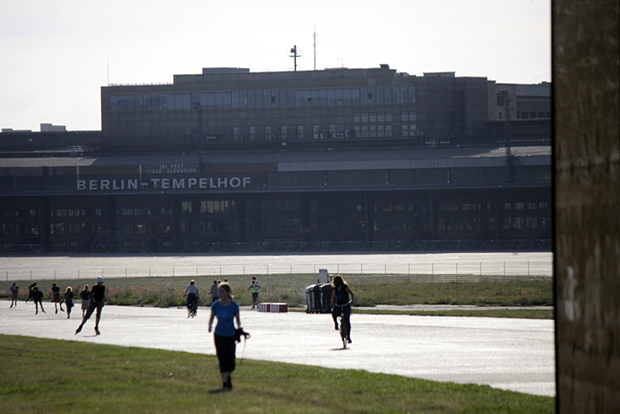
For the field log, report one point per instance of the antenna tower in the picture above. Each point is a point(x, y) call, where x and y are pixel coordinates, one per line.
point(315, 48)
point(295, 55)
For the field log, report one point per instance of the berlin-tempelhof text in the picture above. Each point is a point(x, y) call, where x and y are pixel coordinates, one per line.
point(162, 183)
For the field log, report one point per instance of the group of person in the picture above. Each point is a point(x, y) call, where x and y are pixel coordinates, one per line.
point(92, 300)
point(223, 308)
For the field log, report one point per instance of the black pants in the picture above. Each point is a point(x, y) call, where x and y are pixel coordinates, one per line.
point(91, 308)
point(347, 315)
point(191, 298)
point(225, 347)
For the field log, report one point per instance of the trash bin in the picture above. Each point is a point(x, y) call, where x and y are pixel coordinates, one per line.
point(318, 298)
point(326, 297)
point(310, 298)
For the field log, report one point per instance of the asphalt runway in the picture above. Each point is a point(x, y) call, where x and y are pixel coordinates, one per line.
point(50, 267)
point(509, 354)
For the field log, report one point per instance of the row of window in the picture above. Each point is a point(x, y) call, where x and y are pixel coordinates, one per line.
point(264, 99)
point(529, 115)
point(209, 207)
point(272, 206)
point(286, 225)
point(542, 205)
point(527, 223)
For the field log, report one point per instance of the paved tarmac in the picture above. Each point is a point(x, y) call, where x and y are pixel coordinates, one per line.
point(509, 354)
point(50, 267)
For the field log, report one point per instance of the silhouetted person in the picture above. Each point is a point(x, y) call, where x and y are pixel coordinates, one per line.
point(97, 299)
point(14, 292)
point(37, 297)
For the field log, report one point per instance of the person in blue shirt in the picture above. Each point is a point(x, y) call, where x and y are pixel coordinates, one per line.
point(227, 311)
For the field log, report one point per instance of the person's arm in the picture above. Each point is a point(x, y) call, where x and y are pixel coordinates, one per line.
point(238, 318)
point(211, 319)
point(352, 295)
point(333, 298)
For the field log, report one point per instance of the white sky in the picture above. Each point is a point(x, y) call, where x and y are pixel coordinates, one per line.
point(54, 53)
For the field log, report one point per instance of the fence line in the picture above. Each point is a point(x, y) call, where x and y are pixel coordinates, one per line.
point(429, 271)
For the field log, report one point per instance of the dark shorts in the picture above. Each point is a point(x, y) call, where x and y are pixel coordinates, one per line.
point(14, 295)
point(225, 348)
point(56, 297)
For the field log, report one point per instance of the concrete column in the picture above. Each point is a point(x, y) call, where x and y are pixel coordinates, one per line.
point(587, 205)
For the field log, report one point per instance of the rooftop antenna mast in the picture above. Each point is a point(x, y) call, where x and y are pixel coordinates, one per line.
point(315, 48)
point(295, 55)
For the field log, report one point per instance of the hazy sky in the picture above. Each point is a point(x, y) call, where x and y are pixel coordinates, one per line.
point(54, 54)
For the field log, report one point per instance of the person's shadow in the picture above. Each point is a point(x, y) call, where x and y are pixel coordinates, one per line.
point(218, 391)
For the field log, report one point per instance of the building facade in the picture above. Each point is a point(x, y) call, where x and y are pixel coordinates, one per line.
point(194, 202)
point(225, 104)
point(229, 160)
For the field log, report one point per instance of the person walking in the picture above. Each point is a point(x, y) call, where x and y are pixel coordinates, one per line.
point(69, 301)
point(213, 291)
point(254, 287)
point(341, 303)
point(85, 296)
point(14, 292)
point(227, 311)
point(97, 299)
point(56, 297)
point(37, 297)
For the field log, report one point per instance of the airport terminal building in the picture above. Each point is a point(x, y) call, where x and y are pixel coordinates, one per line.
point(329, 160)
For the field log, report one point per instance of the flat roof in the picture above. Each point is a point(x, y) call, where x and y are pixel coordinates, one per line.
point(302, 156)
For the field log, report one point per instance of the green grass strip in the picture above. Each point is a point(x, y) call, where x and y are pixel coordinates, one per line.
point(370, 290)
point(53, 376)
point(490, 313)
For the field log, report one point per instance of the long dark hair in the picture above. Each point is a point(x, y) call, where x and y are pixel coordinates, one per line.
point(338, 281)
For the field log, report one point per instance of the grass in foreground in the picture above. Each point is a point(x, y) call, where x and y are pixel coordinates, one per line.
point(52, 376)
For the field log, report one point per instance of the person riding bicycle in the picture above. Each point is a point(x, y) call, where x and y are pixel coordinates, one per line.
point(341, 303)
point(192, 294)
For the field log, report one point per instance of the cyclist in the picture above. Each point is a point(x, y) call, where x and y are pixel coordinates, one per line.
point(341, 303)
point(192, 295)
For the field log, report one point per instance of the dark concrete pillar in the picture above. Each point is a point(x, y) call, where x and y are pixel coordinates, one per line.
point(587, 205)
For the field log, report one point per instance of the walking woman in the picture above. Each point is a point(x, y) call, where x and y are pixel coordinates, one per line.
point(226, 310)
point(69, 301)
point(85, 296)
point(340, 302)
